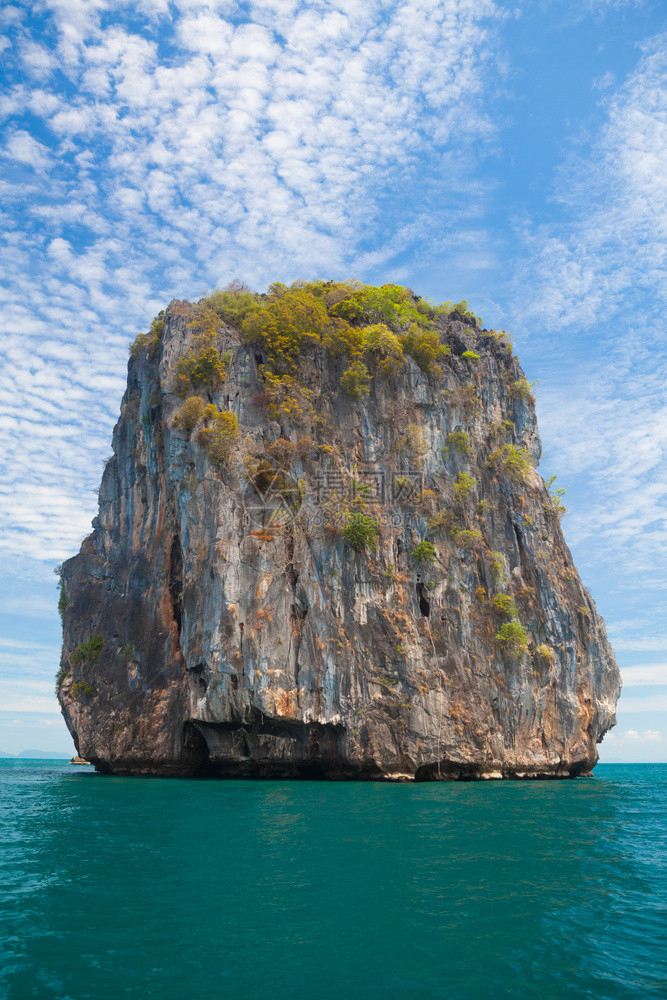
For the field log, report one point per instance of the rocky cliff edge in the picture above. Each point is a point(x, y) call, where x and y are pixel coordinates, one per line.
point(323, 549)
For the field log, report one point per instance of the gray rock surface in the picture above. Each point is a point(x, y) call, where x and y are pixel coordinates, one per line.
point(235, 632)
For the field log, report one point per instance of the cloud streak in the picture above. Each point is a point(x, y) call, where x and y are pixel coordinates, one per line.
point(597, 271)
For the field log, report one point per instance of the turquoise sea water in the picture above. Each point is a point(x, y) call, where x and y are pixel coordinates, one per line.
point(119, 887)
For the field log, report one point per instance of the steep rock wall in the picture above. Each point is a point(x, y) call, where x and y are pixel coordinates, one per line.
point(218, 620)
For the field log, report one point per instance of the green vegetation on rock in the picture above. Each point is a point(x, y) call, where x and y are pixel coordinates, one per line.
point(512, 637)
point(82, 689)
point(374, 326)
point(148, 340)
point(361, 532)
point(356, 380)
point(468, 538)
point(512, 460)
point(504, 605)
point(220, 431)
point(424, 552)
point(88, 653)
point(460, 442)
point(201, 366)
point(522, 389)
point(62, 599)
point(545, 653)
point(190, 413)
point(556, 494)
point(464, 486)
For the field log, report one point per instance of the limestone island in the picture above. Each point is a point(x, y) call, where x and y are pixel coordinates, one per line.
point(323, 549)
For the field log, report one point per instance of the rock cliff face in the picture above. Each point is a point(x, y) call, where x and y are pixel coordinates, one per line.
point(310, 569)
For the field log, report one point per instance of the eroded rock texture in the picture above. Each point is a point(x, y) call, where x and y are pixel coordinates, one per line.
point(217, 621)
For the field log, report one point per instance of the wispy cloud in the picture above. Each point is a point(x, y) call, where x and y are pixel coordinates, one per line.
point(24, 695)
point(645, 674)
point(653, 703)
point(631, 735)
point(597, 271)
point(634, 745)
point(612, 190)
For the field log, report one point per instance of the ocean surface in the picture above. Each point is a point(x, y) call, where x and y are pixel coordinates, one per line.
point(175, 889)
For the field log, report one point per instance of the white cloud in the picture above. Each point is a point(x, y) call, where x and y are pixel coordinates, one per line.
point(25, 695)
point(632, 736)
point(23, 148)
point(645, 674)
point(21, 644)
point(649, 703)
point(633, 745)
point(648, 736)
point(616, 195)
point(596, 276)
point(615, 435)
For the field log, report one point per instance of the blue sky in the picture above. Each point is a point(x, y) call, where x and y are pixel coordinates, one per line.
point(510, 154)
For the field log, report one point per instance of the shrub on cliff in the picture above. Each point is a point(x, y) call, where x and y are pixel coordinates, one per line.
point(201, 366)
point(424, 552)
point(63, 672)
point(232, 303)
point(88, 653)
point(512, 637)
point(190, 413)
point(449, 309)
point(504, 605)
point(151, 339)
point(498, 568)
point(340, 338)
point(556, 494)
point(464, 397)
point(545, 654)
point(425, 347)
point(468, 538)
point(388, 304)
point(522, 389)
point(464, 486)
point(269, 480)
point(219, 435)
point(515, 462)
point(500, 336)
point(282, 452)
point(361, 532)
point(62, 599)
point(356, 380)
point(383, 349)
point(287, 399)
point(412, 441)
point(458, 441)
point(289, 320)
point(82, 689)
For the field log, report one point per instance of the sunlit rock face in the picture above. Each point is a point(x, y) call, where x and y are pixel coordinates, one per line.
point(366, 588)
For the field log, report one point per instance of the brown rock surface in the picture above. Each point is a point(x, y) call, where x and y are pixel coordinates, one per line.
point(213, 626)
